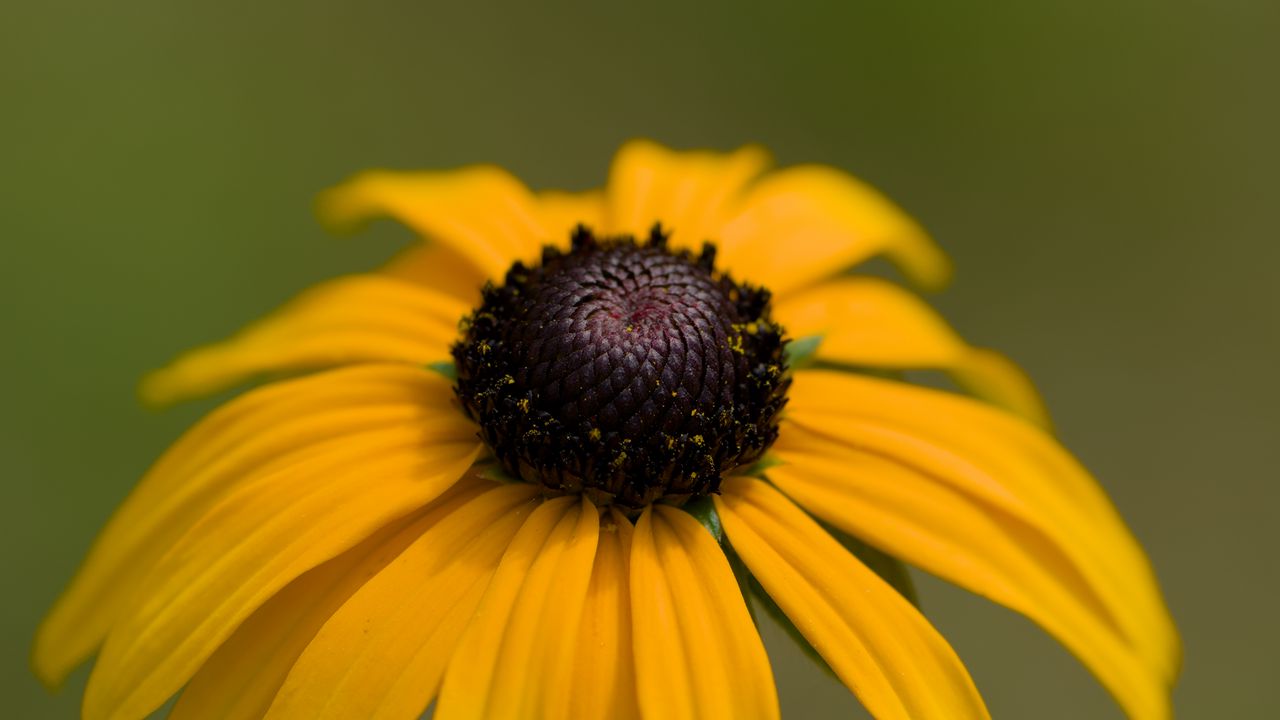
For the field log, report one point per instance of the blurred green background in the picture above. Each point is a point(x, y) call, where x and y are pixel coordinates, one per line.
point(1104, 174)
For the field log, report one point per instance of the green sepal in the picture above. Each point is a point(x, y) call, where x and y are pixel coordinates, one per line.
point(446, 369)
point(758, 468)
point(704, 511)
point(495, 473)
point(799, 352)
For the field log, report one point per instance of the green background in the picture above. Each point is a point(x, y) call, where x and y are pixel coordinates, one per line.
point(1104, 174)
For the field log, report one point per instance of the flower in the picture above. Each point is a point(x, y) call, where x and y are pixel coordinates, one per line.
point(505, 519)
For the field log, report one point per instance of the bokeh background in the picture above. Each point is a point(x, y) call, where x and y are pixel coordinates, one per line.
point(1104, 174)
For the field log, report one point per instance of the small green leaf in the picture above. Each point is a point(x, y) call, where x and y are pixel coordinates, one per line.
point(495, 473)
point(800, 351)
point(446, 369)
point(704, 510)
point(758, 468)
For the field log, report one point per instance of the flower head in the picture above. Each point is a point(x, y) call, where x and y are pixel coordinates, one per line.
point(535, 466)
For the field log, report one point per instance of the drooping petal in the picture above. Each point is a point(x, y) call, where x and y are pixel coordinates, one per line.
point(692, 194)
point(515, 659)
point(191, 609)
point(1011, 466)
point(438, 268)
point(291, 424)
point(268, 529)
point(360, 318)
point(481, 212)
point(918, 519)
point(869, 322)
point(604, 668)
point(875, 641)
point(801, 224)
point(384, 652)
point(697, 652)
point(241, 680)
point(998, 380)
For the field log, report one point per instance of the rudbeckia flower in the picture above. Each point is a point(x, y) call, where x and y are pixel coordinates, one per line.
point(535, 466)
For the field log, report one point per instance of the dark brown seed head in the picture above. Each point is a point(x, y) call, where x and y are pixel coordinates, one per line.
point(625, 370)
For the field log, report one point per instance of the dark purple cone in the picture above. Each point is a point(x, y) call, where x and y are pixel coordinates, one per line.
point(625, 370)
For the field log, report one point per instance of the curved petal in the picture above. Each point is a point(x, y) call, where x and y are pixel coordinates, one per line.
point(360, 318)
point(1011, 466)
point(869, 322)
point(799, 225)
point(913, 517)
point(269, 529)
point(481, 212)
point(242, 679)
point(875, 641)
point(697, 651)
point(514, 660)
point(279, 426)
point(440, 269)
point(691, 194)
point(384, 652)
point(998, 380)
point(604, 669)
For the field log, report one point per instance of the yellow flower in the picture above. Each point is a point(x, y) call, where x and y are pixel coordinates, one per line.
point(567, 528)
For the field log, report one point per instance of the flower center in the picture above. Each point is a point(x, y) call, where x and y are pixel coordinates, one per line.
point(624, 370)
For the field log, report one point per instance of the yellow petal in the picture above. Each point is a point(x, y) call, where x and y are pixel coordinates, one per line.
point(441, 268)
point(692, 194)
point(481, 212)
point(561, 212)
point(875, 641)
point(384, 652)
point(604, 675)
point(265, 532)
point(870, 322)
point(799, 225)
point(438, 268)
point(361, 318)
point(277, 426)
point(1010, 465)
point(922, 521)
point(514, 660)
point(697, 652)
point(242, 678)
point(995, 378)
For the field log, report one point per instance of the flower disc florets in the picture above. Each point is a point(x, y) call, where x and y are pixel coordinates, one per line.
point(625, 370)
